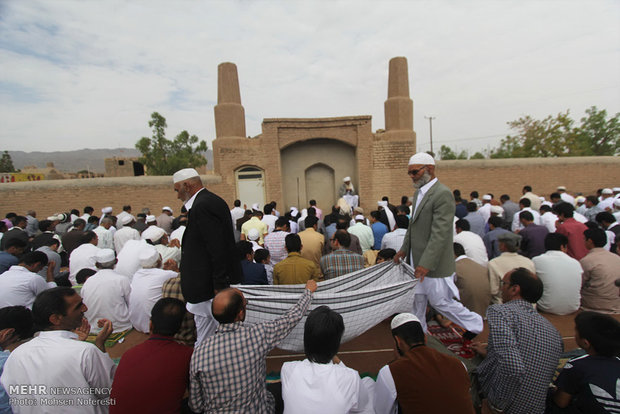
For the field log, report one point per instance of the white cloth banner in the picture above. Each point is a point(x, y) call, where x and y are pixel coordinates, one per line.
point(363, 298)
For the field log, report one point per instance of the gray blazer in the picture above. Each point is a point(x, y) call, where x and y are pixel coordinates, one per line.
point(429, 236)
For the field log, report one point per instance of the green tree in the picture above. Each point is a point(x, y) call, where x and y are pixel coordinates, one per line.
point(477, 156)
point(162, 156)
point(6, 163)
point(446, 153)
point(597, 135)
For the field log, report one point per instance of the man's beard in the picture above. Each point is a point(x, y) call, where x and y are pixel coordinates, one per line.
point(425, 179)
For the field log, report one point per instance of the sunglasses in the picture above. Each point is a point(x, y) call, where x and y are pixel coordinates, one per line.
point(414, 172)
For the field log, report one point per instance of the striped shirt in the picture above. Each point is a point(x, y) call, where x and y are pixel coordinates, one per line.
point(341, 262)
point(187, 333)
point(227, 372)
point(274, 242)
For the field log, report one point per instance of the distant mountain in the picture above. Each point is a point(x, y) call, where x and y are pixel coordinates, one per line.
point(73, 161)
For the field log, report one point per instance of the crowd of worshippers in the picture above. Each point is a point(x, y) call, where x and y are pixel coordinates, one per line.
point(89, 277)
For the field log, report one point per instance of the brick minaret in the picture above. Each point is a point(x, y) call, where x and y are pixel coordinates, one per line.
point(398, 106)
point(229, 113)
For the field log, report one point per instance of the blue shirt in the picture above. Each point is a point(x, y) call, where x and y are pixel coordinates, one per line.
point(378, 230)
point(5, 408)
point(6, 261)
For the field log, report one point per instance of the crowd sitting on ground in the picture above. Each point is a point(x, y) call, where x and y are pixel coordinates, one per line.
point(73, 277)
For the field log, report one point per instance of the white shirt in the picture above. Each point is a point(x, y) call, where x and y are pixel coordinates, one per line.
point(270, 221)
point(178, 234)
point(385, 392)
point(106, 294)
point(19, 287)
point(82, 257)
point(145, 291)
point(561, 278)
point(166, 252)
point(106, 238)
point(568, 198)
point(128, 258)
point(516, 224)
point(607, 203)
point(393, 239)
point(189, 203)
point(580, 217)
point(474, 247)
point(364, 233)
point(235, 214)
point(58, 359)
point(485, 211)
point(123, 235)
point(311, 388)
point(548, 220)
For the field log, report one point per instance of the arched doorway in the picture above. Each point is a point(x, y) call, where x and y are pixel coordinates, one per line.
point(320, 184)
point(250, 186)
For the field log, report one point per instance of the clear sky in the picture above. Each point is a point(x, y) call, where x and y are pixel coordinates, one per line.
point(88, 74)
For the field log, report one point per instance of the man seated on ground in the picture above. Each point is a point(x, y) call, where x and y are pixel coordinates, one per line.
point(253, 273)
point(72, 238)
point(572, 229)
point(153, 376)
point(239, 384)
point(422, 379)
point(20, 285)
point(378, 229)
point(600, 271)
point(471, 242)
point(363, 233)
point(125, 233)
point(55, 358)
point(274, 241)
point(476, 221)
point(83, 256)
point(490, 239)
point(263, 257)
point(608, 222)
point(255, 223)
point(472, 279)
point(10, 256)
point(532, 236)
point(394, 239)
point(294, 269)
point(342, 260)
point(321, 383)
point(508, 260)
point(560, 275)
point(312, 241)
point(523, 350)
point(168, 250)
point(589, 383)
point(524, 205)
point(16, 232)
point(385, 255)
point(146, 287)
point(547, 217)
point(50, 249)
point(106, 294)
point(104, 234)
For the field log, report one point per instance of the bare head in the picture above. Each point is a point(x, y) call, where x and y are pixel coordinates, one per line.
point(229, 306)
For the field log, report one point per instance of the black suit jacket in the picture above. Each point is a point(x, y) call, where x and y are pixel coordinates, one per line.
point(209, 258)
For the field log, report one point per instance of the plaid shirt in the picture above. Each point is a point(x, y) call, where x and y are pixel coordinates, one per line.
point(274, 242)
point(523, 353)
point(341, 262)
point(187, 333)
point(227, 371)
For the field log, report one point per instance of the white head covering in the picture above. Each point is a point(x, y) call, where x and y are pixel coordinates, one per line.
point(106, 210)
point(607, 191)
point(487, 197)
point(153, 233)
point(184, 174)
point(151, 219)
point(578, 199)
point(345, 179)
point(421, 158)
point(403, 318)
point(294, 211)
point(253, 234)
point(126, 219)
point(497, 210)
point(148, 256)
point(105, 256)
point(256, 207)
point(359, 217)
point(388, 213)
point(617, 202)
point(167, 209)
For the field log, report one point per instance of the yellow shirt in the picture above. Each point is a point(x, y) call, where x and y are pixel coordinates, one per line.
point(254, 223)
point(312, 245)
point(295, 270)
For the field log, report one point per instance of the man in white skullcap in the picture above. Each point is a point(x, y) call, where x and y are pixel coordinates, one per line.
point(412, 381)
point(485, 210)
point(157, 237)
point(607, 199)
point(146, 287)
point(209, 254)
point(106, 237)
point(346, 188)
point(428, 247)
point(125, 233)
point(106, 294)
point(165, 219)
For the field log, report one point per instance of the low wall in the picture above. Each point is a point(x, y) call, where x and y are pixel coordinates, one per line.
point(505, 176)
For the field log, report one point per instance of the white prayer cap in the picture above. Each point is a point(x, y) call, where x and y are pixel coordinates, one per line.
point(358, 210)
point(345, 179)
point(421, 158)
point(561, 188)
point(106, 210)
point(153, 233)
point(487, 197)
point(548, 203)
point(617, 202)
point(184, 174)
point(359, 217)
point(578, 199)
point(616, 189)
point(541, 199)
point(256, 207)
point(57, 217)
point(105, 256)
point(253, 234)
point(294, 211)
point(126, 219)
point(382, 203)
point(148, 256)
point(497, 210)
point(167, 209)
point(151, 219)
point(607, 191)
point(403, 318)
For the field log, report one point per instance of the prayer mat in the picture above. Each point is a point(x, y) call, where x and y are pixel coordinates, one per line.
point(112, 339)
point(452, 338)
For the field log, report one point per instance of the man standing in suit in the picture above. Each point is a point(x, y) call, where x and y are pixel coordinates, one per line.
point(209, 257)
point(428, 245)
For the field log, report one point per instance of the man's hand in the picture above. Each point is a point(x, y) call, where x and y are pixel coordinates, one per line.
point(49, 277)
point(479, 348)
point(311, 285)
point(420, 273)
point(104, 334)
point(171, 264)
point(174, 243)
point(398, 256)
point(83, 330)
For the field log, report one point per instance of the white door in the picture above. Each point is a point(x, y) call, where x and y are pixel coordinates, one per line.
point(251, 186)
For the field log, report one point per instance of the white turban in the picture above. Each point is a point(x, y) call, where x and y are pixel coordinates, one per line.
point(153, 233)
point(148, 256)
point(421, 158)
point(388, 213)
point(184, 174)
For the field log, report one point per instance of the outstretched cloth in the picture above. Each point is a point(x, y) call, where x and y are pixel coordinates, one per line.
point(363, 298)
